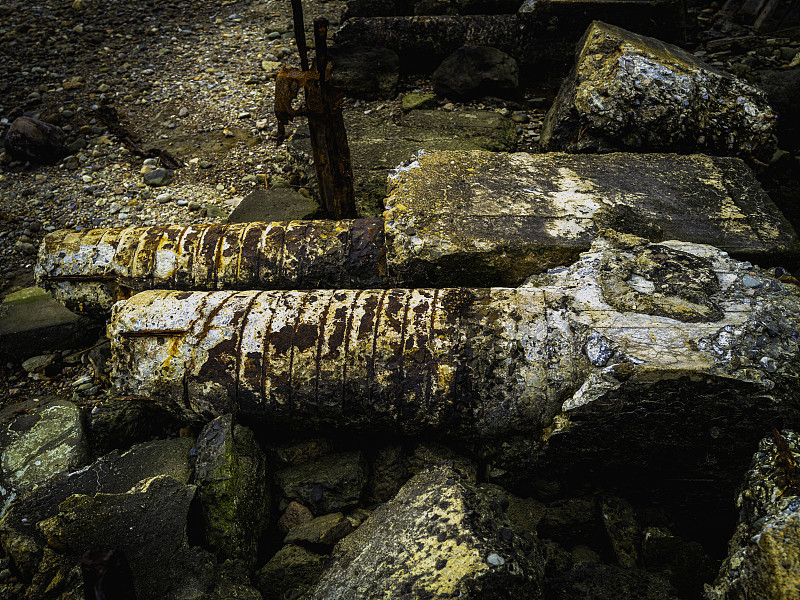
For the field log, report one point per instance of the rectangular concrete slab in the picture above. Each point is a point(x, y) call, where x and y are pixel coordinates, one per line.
point(469, 218)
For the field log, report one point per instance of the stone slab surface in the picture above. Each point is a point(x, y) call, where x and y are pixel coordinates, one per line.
point(480, 218)
point(377, 146)
point(274, 204)
point(33, 323)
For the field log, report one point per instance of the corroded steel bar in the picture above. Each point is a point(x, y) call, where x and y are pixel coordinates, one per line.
point(409, 360)
point(90, 270)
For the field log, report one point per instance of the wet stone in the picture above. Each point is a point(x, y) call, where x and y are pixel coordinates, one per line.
point(39, 440)
point(325, 530)
point(294, 516)
point(290, 572)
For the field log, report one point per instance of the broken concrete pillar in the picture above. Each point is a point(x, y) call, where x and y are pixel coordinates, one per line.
point(475, 363)
point(453, 219)
point(630, 92)
point(90, 270)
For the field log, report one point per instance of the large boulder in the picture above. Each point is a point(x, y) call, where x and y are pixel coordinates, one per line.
point(764, 554)
point(233, 489)
point(631, 92)
point(440, 537)
point(32, 140)
point(39, 440)
point(134, 507)
point(475, 71)
point(291, 571)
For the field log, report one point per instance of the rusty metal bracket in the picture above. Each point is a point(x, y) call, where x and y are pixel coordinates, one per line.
point(322, 106)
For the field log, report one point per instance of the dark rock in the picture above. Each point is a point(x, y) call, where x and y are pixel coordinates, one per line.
point(685, 564)
point(295, 452)
point(274, 204)
point(590, 581)
point(148, 523)
point(572, 521)
point(525, 513)
point(159, 177)
point(440, 537)
point(119, 423)
point(541, 40)
point(328, 484)
point(112, 474)
point(764, 554)
point(388, 472)
point(107, 574)
point(366, 72)
point(295, 515)
point(392, 8)
point(622, 530)
point(38, 440)
point(325, 530)
point(426, 454)
point(289, 573)
point(475, 71)
point(31, 322)
point(31, 140)
point(233, 495)
point(783, 89)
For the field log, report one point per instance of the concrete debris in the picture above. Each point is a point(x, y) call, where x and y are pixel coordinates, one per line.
point(764, 554)
point(631, 92)
point(452, 219)
point(475, 363)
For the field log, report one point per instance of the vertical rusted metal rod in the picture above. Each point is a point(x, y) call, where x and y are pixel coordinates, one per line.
point(300, 33)
point(334, 171)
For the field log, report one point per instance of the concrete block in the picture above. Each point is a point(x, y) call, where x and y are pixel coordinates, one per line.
point(631, 92)
point(486, 219)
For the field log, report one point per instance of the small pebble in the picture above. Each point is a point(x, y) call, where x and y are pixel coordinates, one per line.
point(495, 560)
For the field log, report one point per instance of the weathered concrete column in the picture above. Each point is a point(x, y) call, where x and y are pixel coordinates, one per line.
point(476, 219)
point(90, 270)
point(476, 363)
